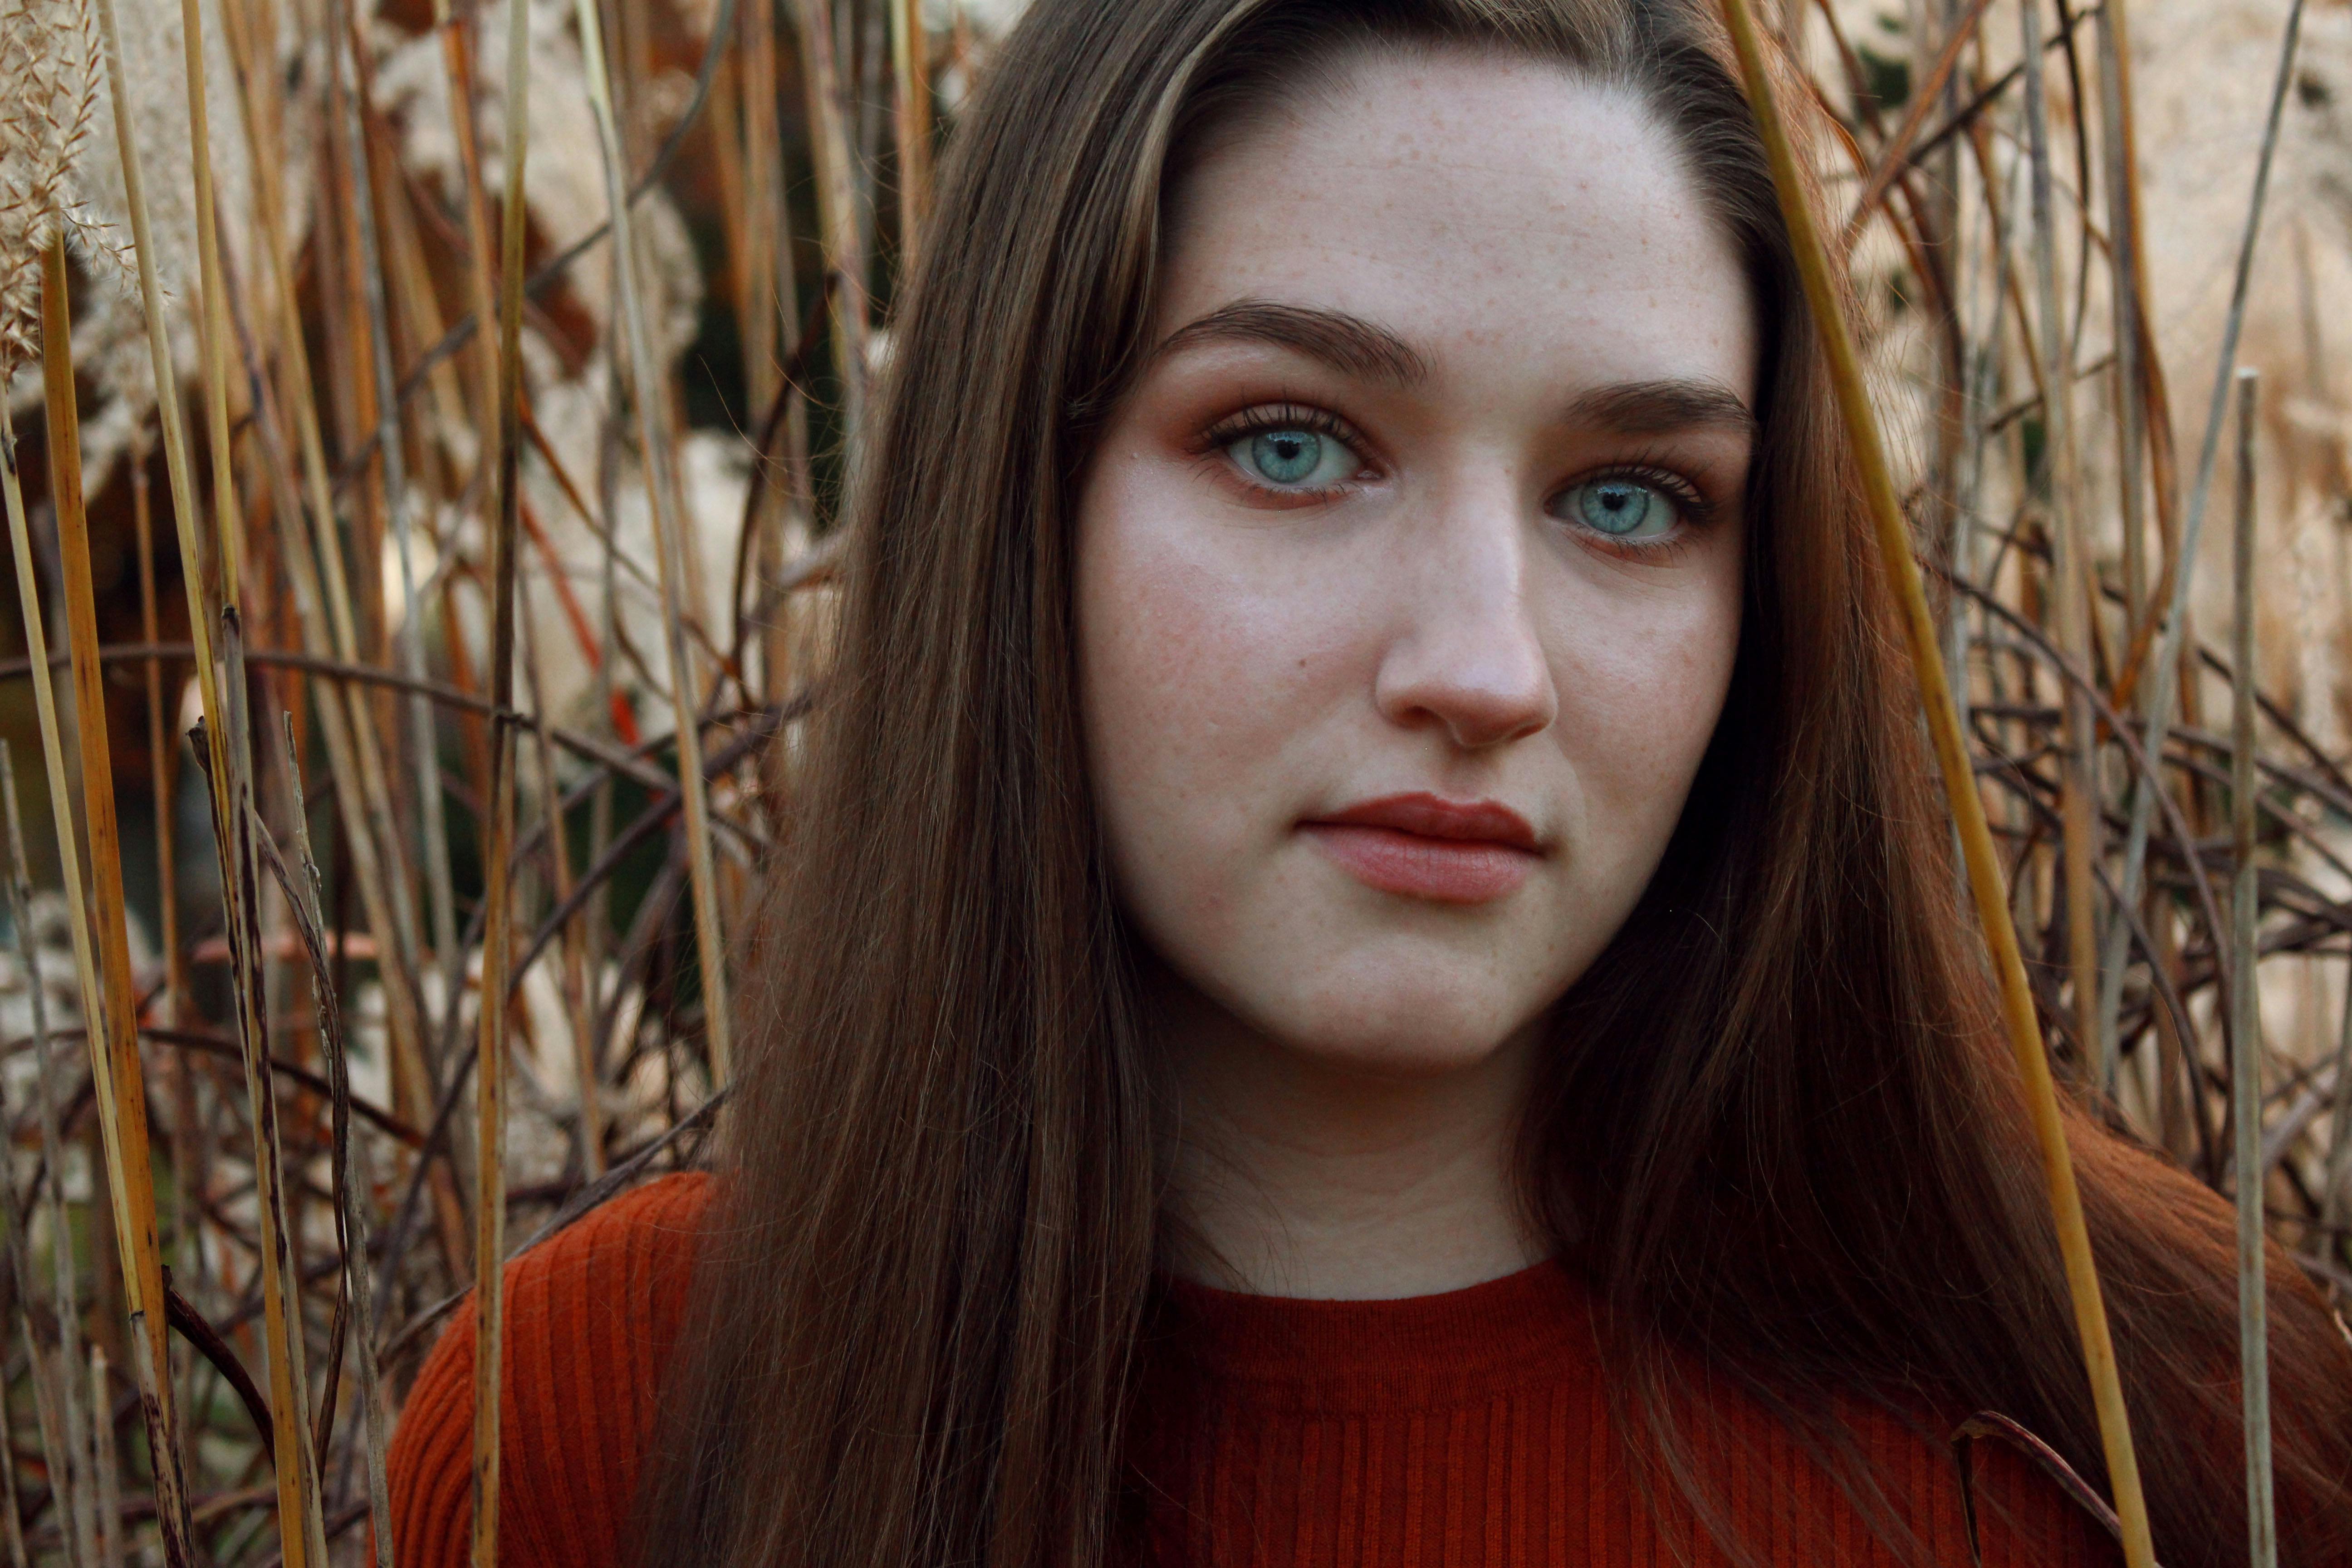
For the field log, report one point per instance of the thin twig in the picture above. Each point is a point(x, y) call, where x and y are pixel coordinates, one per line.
point(2245, 1001)
point(630, 764)
point(1894, 157)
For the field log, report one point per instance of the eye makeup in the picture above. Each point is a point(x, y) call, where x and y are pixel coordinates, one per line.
point(1286, 452)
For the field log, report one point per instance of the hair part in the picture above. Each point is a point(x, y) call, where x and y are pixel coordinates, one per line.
point(925, 1277)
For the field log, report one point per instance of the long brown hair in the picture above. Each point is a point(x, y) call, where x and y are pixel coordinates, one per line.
point(1778, 1130)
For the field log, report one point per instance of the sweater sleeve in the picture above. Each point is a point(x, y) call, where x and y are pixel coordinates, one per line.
point(591, 1317)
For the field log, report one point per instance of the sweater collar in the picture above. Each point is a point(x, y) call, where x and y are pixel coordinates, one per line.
point(1369, 1355)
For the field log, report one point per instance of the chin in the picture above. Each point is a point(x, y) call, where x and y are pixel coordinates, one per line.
point(1395, 1031)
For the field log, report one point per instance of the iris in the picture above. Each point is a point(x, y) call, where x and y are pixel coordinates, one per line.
point(1287, 457)
point(1619, 508)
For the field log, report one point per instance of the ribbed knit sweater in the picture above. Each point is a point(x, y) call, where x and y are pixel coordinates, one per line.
point(1466, 1430)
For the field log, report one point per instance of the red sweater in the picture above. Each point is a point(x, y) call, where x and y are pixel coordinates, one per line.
point(1465, 1429)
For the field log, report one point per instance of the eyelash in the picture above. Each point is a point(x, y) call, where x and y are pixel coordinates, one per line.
point(1283, 415)
point(1695, 508)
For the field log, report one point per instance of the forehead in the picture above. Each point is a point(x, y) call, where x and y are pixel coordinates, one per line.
point(1505, 217)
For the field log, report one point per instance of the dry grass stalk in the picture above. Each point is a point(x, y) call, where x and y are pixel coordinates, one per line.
point(212, 315)
point(403, 1012)
point(727, 153)
point(109, 1478)
point(911, 96)
point(2127, 286)
point(766, 287)
point(302, 1531)
point(350, 1176)
point(1894, 157)
point(647, 380)
point(228, 747)
point(361, 796)
point(75, 1434)
point(196, 567)
point(2126, 283)
point(163, 768)
point(1985, 878)
point(49, 1399)
point(576, 999)
point(838, 220)
point(2180, 564)
point(117, 1073)
point(353, 754)
point(2074, 585)
point(20, 1281)
point(456, 55)
point(54, 1400)
point(782, 506)
point(2338, 1201)
point(498, 899)
point(2245, 1002)
point(11, 1510)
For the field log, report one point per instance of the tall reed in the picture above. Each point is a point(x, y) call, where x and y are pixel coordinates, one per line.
point(113, 1025)
point(2245, 999)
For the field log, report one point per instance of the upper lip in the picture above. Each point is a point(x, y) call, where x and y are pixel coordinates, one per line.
point(1433, 817)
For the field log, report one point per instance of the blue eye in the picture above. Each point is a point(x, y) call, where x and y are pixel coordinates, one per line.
point(1293, 458)
point(1618, 508)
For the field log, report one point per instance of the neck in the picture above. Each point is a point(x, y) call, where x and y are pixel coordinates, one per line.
point(1296, 1173)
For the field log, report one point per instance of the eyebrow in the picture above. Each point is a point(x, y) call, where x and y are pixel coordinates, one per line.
point(1343, 341)
point(1657, 407)
point(1358, 347)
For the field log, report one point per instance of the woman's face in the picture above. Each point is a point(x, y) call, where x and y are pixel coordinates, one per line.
point(1408, 574)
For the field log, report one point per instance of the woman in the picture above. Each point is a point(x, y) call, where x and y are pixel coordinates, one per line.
point(1370, 969)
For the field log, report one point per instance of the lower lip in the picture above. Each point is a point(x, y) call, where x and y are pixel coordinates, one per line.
point(1414, 866)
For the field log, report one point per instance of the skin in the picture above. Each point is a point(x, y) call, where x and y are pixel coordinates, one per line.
point(1490, 285)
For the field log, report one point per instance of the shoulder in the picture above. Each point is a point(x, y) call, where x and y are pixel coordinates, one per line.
point(1874, 1487)
point(1858, 1479)
point(592, 1315)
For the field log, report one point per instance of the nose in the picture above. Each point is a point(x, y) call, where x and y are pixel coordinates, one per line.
point(1465, 656)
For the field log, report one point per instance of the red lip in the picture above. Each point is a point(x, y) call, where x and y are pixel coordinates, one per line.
point(1421, 846)
point(1431, 816)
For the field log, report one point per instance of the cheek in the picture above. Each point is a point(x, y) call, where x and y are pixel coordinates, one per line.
point(1643, 678)
point(1199, 671)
